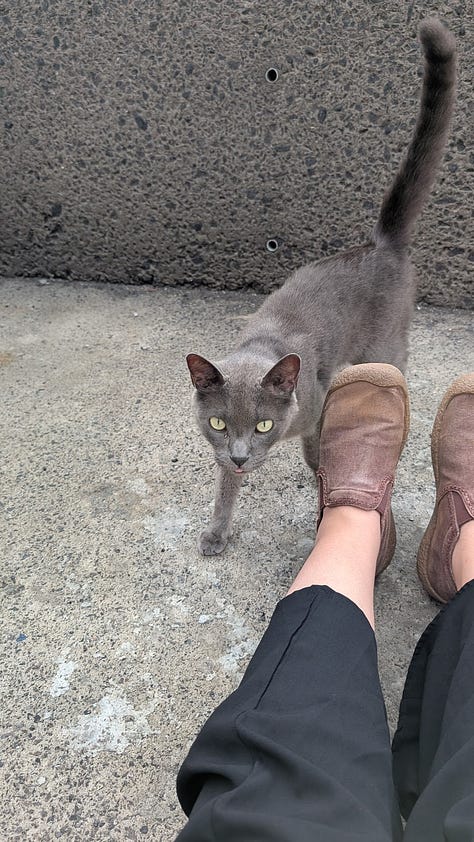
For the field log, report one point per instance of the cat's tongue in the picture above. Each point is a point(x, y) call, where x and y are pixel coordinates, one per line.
point(239, 470)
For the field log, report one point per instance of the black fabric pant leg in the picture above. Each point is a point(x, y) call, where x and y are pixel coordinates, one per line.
point(433, 748)
point(300, 752)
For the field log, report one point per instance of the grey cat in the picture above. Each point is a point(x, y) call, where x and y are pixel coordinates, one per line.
point(351, 308)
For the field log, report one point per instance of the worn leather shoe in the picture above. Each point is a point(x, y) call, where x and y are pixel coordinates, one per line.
point(452, 453)
point(364, 426)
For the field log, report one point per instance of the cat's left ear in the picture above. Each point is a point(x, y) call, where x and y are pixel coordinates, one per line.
point(283, 377)
point(203, 373)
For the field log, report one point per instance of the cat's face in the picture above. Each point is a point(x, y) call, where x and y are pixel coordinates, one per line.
point(243, 406)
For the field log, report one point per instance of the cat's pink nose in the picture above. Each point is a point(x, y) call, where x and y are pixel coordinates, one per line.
point(239, 460)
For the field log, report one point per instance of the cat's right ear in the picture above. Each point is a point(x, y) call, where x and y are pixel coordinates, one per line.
point(204, 374)
point(283, 377)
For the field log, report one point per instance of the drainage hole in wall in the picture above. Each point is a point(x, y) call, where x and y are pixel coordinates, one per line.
point(272, 74)
point(272, 244)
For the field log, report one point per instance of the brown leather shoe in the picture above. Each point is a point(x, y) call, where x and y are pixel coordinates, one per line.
point(364, 426)
point(452, 453)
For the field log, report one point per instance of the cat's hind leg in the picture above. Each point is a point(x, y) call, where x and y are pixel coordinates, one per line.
point(214, 539)
point(389, 342)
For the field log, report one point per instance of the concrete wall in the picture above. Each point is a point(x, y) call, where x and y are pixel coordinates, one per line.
point(142, 142)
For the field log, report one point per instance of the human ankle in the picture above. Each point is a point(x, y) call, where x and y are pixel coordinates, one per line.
point(350, 536)
point(349, 518)
point(463, 556)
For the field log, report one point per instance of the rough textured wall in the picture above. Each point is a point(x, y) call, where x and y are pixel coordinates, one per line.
point(142, 142)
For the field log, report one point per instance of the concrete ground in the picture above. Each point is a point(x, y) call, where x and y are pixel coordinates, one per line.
point(119, 639)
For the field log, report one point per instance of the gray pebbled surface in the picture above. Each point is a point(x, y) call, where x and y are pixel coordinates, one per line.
point(118, 639)
point(141, 142)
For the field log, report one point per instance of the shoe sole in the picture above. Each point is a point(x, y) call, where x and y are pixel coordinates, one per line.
point(388, 376)
point(463, 385)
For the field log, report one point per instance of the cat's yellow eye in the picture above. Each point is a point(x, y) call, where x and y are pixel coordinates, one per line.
point(264, 426)
point(217, 423)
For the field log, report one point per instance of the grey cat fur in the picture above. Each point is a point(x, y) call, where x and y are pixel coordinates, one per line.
point(352, 308)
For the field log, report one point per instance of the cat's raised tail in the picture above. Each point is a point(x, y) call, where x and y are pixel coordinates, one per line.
point(411, 187)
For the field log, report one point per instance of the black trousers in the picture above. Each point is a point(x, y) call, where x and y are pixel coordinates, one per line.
point(301, 750)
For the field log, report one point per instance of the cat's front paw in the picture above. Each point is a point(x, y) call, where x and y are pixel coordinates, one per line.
point(211, 543)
